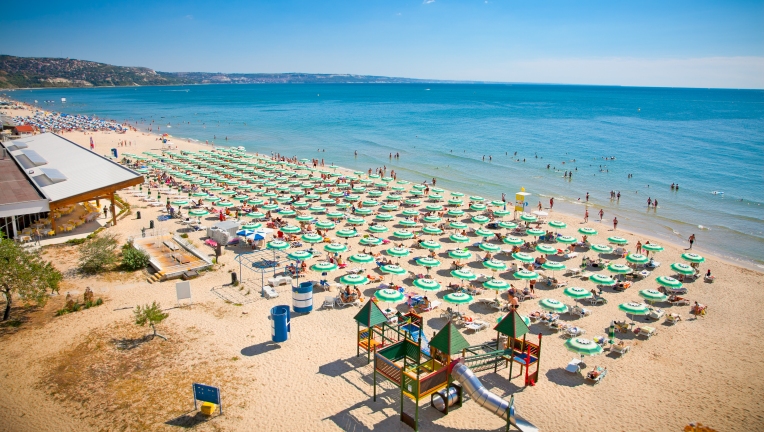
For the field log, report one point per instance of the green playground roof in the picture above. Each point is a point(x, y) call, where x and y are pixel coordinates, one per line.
point(370, 315)
point(512, 325)
point(449, 340)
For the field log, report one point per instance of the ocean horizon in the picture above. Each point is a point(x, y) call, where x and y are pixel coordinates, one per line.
point(489, 139)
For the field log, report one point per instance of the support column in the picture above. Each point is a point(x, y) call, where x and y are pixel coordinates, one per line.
point(52, 219)
point(113, 212)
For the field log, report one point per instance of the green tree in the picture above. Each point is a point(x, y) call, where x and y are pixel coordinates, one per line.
point(150, 314)
point(26, 275)
point(98, 254)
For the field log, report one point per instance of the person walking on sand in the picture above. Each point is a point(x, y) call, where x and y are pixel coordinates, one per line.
point(639, 247)
point(691, 240)
point(602, 215)
point(586, 215)
point(551, 203)
point(615, 223)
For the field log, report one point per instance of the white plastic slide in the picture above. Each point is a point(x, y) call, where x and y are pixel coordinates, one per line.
point(493, 403)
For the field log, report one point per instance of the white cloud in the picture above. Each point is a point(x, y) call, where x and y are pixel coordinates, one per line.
point(428, 1)
point(718, 72)
point(189, 17)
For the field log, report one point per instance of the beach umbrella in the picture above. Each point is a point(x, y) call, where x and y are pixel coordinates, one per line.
point(668, 282)
point(335, 215)
point(378, 229)
point(287, 212)
point(244, 232)
point(198, 212)
point(371, 241)
point(179, 202)
point(299, 255)
point(277, 245)
point(602, 279)
point(480, 219)
point(566, 239)
point(251, 226)
point(403, 234)
point(524, 274)
point(460, 254)
point(482, 232)
point(312, 238)
point(600, 248)
point(577, 293)
point(545, 249)
point(302, 218)
point(270, 207)
point(458, 238)
point(426, 284)
point(410, 213)
point(361, 258)
point(325, 224)
point(463, 274)
point(457, 225)
point(393, 270)
point(412, 201)
point(383, 217)
point(213, 199)
point(477, 207)
point(476, 198)
point(553, 305)
point(501, 213)
point(507, 225)
point(389, 207)
point(633, 308)
point(557, 224)
point(692, 257)
point(455, 212)
point(407, 223)
point(587, 231)
point(583, 347)
point(619, 268)
point(637, 258)
point(355, 220)
point(335, 247)
point(513, 241)
point(523, 257)
point(323, 267)
point(457, 194)
point(428, 262)
point(652, 247)
point(388, 295)
point(455, 202)
point(535, 232)
point(653, 295)
point(553, 266)
point(494, 265)
point(617, 240)
point(682, 268)
point(346, 233)
point(457, 298)
point(496, 285)
point(430, 244)
point(432, 230)
point(489, 247)
point(434, 208)
point(289, 229)
point(398, 252)
point(354, 279)
point(528, 218)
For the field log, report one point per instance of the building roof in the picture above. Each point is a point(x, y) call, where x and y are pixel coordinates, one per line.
point(512, 325)
point(24, 128)
point(449, 340)
point(67, 173)
point(370, 315)
point(17, 193)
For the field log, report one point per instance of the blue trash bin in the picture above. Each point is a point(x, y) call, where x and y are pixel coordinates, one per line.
point(280, 326)
point(302, 297)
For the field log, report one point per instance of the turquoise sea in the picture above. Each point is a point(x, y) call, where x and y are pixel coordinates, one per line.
point(705, 140)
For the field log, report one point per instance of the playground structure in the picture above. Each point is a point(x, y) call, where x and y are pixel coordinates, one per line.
point(262, 262)
point(422, 368)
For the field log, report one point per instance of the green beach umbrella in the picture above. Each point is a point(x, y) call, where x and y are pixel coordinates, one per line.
point(457, 298)
point(480, 219)
point(335, 247)
point(455, 212)
point(553, 305)
point(507, 225)
point(180, 202)
point(388, 295)
point(460, 254)
point(566, 239)
point(692, 257)
point(299, 255)
point(457, 225)
point(617, 240)
point(652, 247)
point(524, 274)
point(383, 217)
point(378, 229)
point(587, 231)
point(403, 234)
point(290, 229)
point(426, 284)
point(633, 308)
point(277, 245)
point(361, 258)
point(637, 259)
point(619, 268)
point(303, 218)
point(682, 268)
point(410, 213)
point(577, 293)
point(496, 285)
point(431, 219)
point(434, 208)
point(494, 265)
point(653, 295)
point(346, 233)
point(583, 346)
point(489, 247)
point(553, 266)
point(668, 282)
point(600, 248)
point(428, 262)
point(407, 223)
point(355, 220)
point(482, 232)
point(354, 279)
point(325, 224)
point(335, 215)
point(251, 226)
point(535, 232)
point(393, 269)
point(557, 224)
point(545, 249)
point(430, 244)
point(398, 252)
point(513, 241)
point(429, 230)
point(463, 274)
point(370, 241)
point(602, 279)
point(477, 207)
point(312, 238)
point(528, 218)
point(523, 257)
point(226, 204)
point(323, 267)
point(458, 238)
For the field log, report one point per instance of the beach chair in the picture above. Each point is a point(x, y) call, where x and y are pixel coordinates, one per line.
point(476, 326)
point(621, 327)
point(328, 302)
point(578, 311)
point(679, 301)
point(339, 302)
point(434, 304)
point(597, 300)
point(656, 313)
point(709, 279)
point(574, 366)
point(673, 318)
point(596, 375)
point(270, 292)
point(572, 331)
point(647, 332)
point(620, 348)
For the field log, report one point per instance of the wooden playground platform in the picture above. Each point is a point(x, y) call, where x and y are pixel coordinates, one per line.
point(171, 256)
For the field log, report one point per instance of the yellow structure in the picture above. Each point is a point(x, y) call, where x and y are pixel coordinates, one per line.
point(208, 408)
point(520, 200)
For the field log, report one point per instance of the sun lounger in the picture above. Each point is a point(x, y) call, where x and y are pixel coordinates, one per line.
point(709, 279)
point(597, 300)
point(647, 332)
point(270, 292)
point(656, 313)
point(673, 318)
point(578, 311)
point(572, 331)
point(476, 326)
point(574, 366)
point(328, 302)
point(620, 348)
point(352, 302)
point(679, 301)
point(596, 375)
point(434, 304)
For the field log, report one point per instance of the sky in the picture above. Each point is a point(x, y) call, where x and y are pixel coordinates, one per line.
point(637, 43)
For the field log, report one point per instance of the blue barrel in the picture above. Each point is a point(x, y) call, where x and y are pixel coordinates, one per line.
point(302, 297)
point(280, 326)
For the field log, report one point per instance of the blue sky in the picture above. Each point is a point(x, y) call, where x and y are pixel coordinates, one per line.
point(662, 43)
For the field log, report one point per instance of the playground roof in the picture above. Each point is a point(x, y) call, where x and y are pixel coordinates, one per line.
point(512, 325)
point(449, 340)
point(370, 315)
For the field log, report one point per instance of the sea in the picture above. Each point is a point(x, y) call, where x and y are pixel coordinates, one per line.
point(494, 139)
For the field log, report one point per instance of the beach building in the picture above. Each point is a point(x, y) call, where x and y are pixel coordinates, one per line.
point(50, 184)
point(23, 130)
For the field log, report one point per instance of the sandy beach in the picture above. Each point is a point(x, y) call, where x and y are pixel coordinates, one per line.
point(73, 372)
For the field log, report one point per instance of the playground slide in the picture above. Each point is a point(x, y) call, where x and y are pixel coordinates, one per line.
point(493, 403)
point(414, 331)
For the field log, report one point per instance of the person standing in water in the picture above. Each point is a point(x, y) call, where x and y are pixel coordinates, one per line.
point(586, 216)
point(691, 240)
point(602, 215)
point(615, 223)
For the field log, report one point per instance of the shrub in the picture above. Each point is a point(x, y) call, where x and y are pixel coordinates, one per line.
point(98, 254)
point(134, 259)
